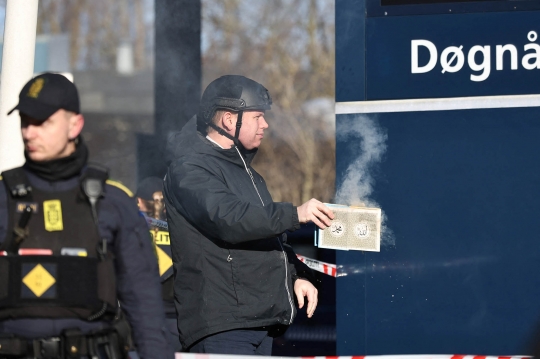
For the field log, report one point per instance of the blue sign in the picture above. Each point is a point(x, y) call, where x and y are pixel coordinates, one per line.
point(458, 187)
point(454, 55)
point(460, 191)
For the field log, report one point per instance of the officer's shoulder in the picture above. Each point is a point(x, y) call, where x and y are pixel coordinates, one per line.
point(116, 187)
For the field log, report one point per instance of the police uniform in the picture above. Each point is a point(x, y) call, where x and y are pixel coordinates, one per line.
point(72, 247)
point(162, 241)
point(160, 235)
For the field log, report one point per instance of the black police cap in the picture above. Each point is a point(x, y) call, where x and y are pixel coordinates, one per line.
point(148, 187)
point(45, 94)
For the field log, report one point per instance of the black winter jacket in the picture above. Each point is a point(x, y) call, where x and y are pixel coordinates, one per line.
point(232, 266)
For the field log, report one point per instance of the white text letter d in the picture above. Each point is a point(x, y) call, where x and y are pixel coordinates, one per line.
point(415, 69)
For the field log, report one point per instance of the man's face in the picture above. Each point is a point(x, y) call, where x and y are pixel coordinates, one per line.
point(145, 206)
point(252, 130)
point(50, 139)
point(159, 205)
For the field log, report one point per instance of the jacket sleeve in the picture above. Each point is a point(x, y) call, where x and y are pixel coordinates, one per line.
point(138, 283)
point(205, 200)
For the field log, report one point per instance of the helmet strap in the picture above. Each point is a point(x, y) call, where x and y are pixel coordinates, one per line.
point(238, 124)
point(225, 134)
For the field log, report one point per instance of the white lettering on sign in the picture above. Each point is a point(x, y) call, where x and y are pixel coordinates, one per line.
point(415, 69)
point(484, 66)
point(456, 54)
point(452, 58)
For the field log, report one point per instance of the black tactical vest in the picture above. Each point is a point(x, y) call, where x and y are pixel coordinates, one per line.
point(75, 279)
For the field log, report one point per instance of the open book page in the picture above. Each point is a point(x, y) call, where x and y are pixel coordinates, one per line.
point(366, 231)
point(353, 228)
point(334, 237)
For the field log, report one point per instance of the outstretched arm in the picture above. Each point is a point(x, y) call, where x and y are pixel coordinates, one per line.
point(205, 199)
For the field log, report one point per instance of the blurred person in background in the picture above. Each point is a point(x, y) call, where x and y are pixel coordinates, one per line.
point(73, 247)
point(236, 278)
point(150, 199)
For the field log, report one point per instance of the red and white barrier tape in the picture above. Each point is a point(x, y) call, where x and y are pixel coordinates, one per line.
point(323, 267)
point(314, 264)
point(412, 356)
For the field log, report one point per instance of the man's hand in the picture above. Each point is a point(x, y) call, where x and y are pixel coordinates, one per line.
point(303, 288)
point(316, 212)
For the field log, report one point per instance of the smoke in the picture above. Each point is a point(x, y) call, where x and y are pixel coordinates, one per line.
point(367, 142)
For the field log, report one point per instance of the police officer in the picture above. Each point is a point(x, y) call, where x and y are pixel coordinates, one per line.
point(73, 247)
point(150, 197)
point(150, 200)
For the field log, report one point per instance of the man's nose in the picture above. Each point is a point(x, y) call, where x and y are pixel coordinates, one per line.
point(28, 132)
point(264, 124)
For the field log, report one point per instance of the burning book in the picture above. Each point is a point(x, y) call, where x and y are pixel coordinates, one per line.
point(353, 228)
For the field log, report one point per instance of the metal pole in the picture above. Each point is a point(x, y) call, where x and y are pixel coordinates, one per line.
point(177, 63)
point(177, 79)
point(17, 69)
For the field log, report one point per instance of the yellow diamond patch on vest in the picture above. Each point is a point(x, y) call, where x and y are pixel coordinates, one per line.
point(36, 88)
point(52, 212)
point(38, 280)
point(164, 261)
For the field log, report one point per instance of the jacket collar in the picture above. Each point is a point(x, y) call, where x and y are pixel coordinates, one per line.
point(189, 140)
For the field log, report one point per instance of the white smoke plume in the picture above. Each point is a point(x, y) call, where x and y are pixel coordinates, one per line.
point(367, 142)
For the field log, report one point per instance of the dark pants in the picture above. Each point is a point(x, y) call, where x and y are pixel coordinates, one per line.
point(242, 342)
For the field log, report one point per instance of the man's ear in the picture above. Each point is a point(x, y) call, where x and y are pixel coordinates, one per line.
point(228, 121)
point(76, 124)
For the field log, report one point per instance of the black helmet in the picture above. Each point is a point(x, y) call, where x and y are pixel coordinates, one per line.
point(231, 92)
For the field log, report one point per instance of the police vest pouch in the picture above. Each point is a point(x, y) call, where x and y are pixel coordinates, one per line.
point(48, 286)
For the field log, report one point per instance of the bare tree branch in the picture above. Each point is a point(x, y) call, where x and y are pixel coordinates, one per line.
point(292, 54)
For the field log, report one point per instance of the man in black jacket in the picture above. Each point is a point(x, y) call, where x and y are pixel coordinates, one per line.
point(235, 275)
point(72, 244)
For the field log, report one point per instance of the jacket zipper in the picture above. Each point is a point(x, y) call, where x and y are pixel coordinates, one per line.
point(282, 250)
point(250, 175)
